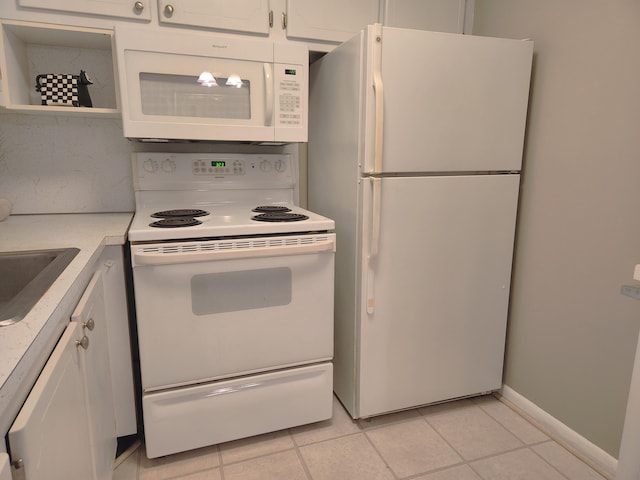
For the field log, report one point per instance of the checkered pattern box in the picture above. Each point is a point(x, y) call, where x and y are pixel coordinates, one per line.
point(58, 89)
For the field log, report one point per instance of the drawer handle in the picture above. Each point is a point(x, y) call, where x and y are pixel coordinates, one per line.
point(138, 6)
point(168, 10)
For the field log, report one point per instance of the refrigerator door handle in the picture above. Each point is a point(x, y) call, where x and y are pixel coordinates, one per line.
point(378, 88)
point(374, 243)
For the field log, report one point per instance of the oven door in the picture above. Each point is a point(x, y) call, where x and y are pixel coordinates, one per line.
point(216, 309)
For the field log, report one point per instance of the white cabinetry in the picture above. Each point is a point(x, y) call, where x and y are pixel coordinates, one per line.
point(454, 16)
point(331, 21)
point(30, 49)
point(111, 264)
point(328, 21)
point(251, 16)
point(50, 438)
point(91, 315)
point(135, 9)
point(83, 398)
point(5, 469)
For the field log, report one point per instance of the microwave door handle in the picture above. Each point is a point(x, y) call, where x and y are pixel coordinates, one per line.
point(268, 94)
point(154, 258)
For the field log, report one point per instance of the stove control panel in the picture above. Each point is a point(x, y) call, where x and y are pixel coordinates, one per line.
point(158, 171)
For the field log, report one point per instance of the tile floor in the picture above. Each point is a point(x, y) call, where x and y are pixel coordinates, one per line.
point(472, 439)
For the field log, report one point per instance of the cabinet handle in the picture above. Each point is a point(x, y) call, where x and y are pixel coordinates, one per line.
point(270, 18)
point(284, 21)
point(138, 6)
point(83, 342)
point(89, 324)
point(168, 10)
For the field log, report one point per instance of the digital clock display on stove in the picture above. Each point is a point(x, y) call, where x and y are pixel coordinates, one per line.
point(218, 163)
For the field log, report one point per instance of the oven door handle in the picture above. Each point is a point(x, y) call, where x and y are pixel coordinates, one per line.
point(157, 258)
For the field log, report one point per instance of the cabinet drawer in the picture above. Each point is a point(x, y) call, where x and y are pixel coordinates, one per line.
point(192, 417)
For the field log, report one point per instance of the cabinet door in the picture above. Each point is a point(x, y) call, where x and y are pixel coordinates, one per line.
point(137, 9)
point(51, 433)
point(90, 314)
point(329, 20)
point(115, 297)
point(434, 15)
point(239, 15)
point(5, 469)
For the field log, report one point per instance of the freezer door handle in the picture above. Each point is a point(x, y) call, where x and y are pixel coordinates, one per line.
point(378, 88)
point(374, 242)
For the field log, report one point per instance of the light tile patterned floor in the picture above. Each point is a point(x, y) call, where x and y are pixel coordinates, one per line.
point(473, 439)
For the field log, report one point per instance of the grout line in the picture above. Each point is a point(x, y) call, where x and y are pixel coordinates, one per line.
point(549, 463)
point(370, 442)
point(296, 448)
point(220, 463)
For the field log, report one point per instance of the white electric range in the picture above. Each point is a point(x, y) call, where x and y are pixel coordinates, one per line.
point(234, 299)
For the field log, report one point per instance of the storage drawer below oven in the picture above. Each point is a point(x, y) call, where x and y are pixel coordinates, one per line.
point(191, 417)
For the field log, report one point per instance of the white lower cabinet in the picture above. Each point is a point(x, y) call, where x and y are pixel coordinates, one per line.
point(91, 315)
point(50, 438)
point(5, 469)
point(66, 428)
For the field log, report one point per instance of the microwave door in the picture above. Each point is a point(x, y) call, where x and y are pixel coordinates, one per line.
point(187, 97)
point(197, 86)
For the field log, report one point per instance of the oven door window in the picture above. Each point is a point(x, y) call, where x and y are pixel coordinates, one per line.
point(223, 292)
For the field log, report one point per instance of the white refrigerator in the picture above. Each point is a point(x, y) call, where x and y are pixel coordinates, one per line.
point(415, 150)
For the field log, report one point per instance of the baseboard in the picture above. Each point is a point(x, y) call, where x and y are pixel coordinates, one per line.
point(582, 448)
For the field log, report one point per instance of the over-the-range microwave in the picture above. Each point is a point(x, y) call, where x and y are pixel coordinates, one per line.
point(198, 86)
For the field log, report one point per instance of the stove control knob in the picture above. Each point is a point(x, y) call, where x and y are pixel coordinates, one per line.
point(265, 166)
point(150, 165)
point(281, 166)
point(168, 166)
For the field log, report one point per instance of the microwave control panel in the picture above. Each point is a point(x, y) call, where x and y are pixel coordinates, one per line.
point(289, 102)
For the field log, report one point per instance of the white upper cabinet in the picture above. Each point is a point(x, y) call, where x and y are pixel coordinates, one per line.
point(251, 16)
point(30, 49)
point(328, 20)
point(136, 9)
point(436, 15)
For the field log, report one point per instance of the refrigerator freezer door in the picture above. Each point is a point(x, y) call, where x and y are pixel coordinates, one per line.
point(458, 106)
point(437, 289)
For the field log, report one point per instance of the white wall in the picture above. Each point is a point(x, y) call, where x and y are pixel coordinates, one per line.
point(63, 164)
point(572, 336)
point(69, 164)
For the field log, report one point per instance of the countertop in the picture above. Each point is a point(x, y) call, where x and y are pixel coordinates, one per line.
point(26, 345)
